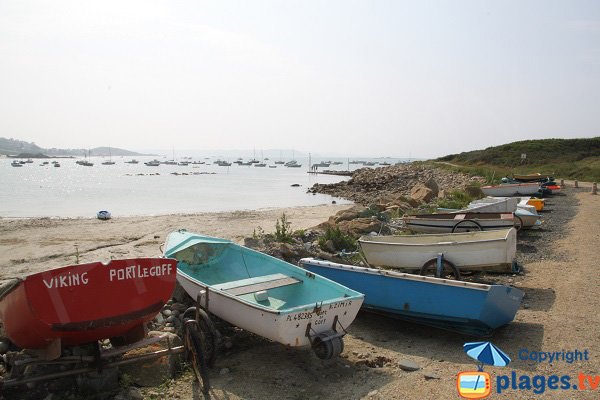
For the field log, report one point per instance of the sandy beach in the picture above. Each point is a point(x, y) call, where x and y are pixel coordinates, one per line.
point(30, 245)
point(559, 313)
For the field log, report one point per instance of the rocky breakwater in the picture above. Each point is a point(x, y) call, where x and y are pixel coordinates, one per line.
point(397, 183)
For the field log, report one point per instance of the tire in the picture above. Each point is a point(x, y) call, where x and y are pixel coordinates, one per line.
point(207, 330)
point(448, 269)
point(324, 349)
point(519, 224)
point(193, 344)
point(477, 225)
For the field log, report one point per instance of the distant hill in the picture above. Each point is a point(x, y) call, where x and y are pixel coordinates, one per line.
point(565, 158)
point(19, 148)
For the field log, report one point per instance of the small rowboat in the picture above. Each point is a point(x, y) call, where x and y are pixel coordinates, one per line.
point(493, 250)
point(537, 177)
point(469, 308)
point(458, 222)
point(262, 294)
point(512, 189)
point(84, 303)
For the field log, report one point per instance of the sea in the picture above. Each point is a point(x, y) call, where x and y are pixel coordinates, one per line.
point(73, 190)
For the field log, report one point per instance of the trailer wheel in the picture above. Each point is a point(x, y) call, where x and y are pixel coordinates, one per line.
point(324, 349)
point(518, 222)
point(448, 269)
point(195, 354)
point(207, 330)
point(474, 225)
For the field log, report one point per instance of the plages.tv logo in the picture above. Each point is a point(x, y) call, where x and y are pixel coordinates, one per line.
point(478, 384)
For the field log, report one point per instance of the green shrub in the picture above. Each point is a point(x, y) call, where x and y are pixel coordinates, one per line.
point(341, 241)
point(283, 232)
point(455, 199)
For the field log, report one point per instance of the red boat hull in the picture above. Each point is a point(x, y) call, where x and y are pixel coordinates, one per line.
point(87, 302)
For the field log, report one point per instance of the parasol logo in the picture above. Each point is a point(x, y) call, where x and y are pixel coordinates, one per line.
point(478, 384)
point(474, 384)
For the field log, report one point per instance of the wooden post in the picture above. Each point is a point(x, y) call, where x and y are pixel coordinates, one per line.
point(595, 188)
point(576, 184)
point(562, 183)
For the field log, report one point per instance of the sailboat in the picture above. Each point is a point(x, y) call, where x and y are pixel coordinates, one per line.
point(110, 161)
point(293, 163)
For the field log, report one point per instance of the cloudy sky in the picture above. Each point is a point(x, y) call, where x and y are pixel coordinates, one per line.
point(372, 78)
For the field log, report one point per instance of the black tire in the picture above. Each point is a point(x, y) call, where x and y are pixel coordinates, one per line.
point(194, 352)
point(518, 222)
point(448, 269)
point(323, 348)
point(207, 330)
point(476, 225)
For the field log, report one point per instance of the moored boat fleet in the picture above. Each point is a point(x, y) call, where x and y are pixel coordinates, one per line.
point(415, 277)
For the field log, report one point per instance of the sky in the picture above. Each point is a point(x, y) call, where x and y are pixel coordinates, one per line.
point(372, 78)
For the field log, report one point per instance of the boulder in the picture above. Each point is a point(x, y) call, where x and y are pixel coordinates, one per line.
point(360, 226)
point(432, 184)
point(421, 193)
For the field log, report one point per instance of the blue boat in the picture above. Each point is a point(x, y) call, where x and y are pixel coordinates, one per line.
point(470, 308)
point(263, 294)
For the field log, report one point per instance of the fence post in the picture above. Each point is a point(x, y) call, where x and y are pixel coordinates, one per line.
point(595, 188)
point(576, 184)
point(562, 183)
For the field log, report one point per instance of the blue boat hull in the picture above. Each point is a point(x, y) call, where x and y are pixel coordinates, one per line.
point(469, 308)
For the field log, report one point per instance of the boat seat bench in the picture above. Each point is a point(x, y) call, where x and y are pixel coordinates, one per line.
point(256, 284)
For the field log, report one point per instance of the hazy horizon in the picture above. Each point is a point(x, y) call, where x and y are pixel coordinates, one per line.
point(363, 78)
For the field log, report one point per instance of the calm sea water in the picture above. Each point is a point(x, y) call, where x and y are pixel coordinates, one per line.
point(136, 189)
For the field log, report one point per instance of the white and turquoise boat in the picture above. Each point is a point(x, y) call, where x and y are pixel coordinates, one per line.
point(262, 294)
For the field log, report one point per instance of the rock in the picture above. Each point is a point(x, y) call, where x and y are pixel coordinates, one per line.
point(408, 365)
point(372, 393)
point(345, 216)
point(329, 246)
point(166, 312)
point(431, 375)
point(432, 184)
point(295, 185)
point(421, 193)
point(359, 226)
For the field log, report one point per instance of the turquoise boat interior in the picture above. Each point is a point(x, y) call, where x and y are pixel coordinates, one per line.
point(251, 276)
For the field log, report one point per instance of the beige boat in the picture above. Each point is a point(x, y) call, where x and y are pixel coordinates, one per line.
point(492, 251)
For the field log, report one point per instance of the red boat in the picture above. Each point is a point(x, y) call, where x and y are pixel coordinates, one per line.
point(87, 302)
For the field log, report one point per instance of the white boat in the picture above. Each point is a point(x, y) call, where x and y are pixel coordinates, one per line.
point(512, 189)
point(262, 294)
point(525, 213)
point(458, 222)
point(493, 250)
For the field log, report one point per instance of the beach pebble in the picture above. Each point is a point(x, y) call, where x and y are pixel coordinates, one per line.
point(372, 393)
point(166, 312)
point(431, 375)
point(408, 365)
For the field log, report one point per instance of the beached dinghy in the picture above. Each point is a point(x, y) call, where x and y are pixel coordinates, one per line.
point(512, 189)
point(459, 222)
point(469, 308)
point(492, 251)
point(84, 303)
point(262, 294)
